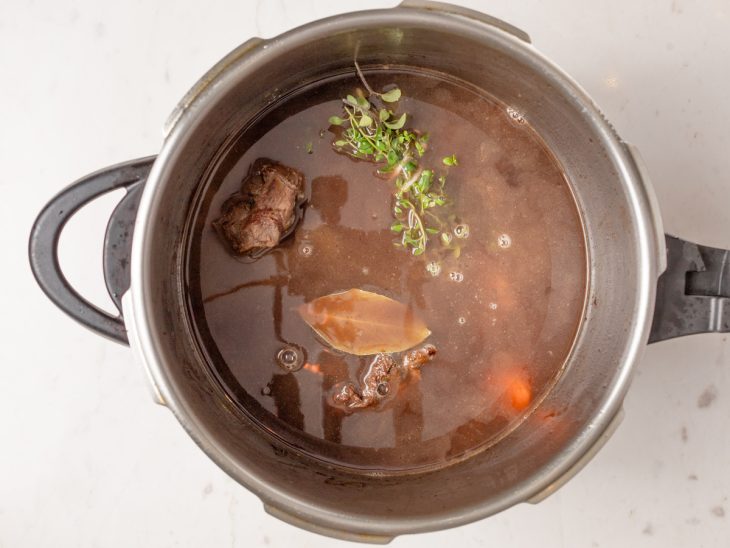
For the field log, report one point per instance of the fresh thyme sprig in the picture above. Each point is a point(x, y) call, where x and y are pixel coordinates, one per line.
point(377, 134)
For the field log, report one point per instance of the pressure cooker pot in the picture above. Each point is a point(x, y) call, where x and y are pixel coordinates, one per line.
point(643, 286)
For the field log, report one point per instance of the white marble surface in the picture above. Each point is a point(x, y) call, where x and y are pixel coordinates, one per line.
point(88, 460)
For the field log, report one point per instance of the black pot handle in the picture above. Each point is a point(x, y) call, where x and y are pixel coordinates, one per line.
point(693, 293)
point(44, 236)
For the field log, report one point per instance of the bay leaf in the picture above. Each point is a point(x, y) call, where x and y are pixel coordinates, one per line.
point(363, 323)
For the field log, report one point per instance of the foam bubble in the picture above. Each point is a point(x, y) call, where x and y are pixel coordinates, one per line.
point(433, 268)
point(461, 231)
point(504, 241)
point(456, 276)
point(516, 115)
point(290, 358)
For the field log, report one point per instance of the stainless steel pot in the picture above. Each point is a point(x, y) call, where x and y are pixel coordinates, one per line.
point(627, 252)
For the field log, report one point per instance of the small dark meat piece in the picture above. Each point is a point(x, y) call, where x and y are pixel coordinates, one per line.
point(414, 359)
point(376, 382)
point(378, 374)
point(257, 217)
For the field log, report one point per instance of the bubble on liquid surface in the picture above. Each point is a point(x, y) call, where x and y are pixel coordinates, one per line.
point(290, 358)
point(516, 115)
point(461, 320)
point(461, 231)
point(456, 276)
point(433, 268)
point(266, 390)
point(306, 249)
point(504, 241)
point(492, 306)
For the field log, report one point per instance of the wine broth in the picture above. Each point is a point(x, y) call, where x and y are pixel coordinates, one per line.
point(503, 315)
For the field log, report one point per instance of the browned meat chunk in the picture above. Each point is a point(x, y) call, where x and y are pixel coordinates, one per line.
point(376, 383)
point(414, 359)
point(257, 217)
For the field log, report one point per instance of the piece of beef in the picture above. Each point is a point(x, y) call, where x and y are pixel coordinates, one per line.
point(374, 384)
point(257, 217)
point(414, 359)
point(377, 380)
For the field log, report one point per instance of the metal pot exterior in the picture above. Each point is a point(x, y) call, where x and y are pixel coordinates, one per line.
point(625, 251)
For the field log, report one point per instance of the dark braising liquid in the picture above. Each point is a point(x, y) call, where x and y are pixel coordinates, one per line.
point(503, 316)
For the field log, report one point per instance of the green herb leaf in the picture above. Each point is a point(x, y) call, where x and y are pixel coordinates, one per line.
point(392, 157)
point(398, 123)
point(391, 96)
point(365, 148)
point(309, 147)
point(424, 181)
point(450, 160)
point(379, 136)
